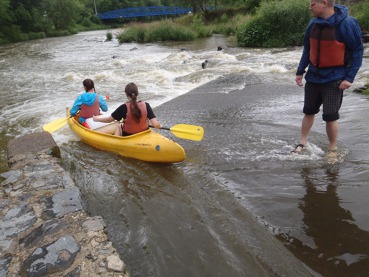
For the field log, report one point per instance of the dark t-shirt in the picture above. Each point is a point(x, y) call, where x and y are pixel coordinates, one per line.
point(121, 112)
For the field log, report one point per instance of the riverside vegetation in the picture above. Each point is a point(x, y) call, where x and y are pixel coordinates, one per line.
point(22, 20)
point(265, 23)
point(252, 23)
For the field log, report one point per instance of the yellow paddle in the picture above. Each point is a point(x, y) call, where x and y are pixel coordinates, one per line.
point(60, 122)
point(55, 125)
point(186, 131)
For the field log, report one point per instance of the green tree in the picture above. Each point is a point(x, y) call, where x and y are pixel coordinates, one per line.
point(63, 14)
point(9, 31)
point(276, 25)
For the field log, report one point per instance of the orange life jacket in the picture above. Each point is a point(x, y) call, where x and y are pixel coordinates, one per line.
point(130, 125)
point(325, 50)
point(89, 111)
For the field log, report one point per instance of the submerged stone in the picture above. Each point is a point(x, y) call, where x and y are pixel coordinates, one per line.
point(52, 258)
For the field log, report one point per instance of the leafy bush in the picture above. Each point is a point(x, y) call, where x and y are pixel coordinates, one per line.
point(109, 36)
point(198, 26)
point(252, 5)
point(361, 12)
point(59, 33)
point(184, 20)
point(276, 24)
point(128, 35)
point(157, 31)
point(140, 35)
point(86, 22)
point(36, 35)
point(232, 25)
point(167, 31)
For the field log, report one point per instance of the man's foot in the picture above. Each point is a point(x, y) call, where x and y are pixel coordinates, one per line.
point(332, 153)
point(332, 156)
point(298, 149)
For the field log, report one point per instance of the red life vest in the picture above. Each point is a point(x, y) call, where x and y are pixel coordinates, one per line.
point(130, 125)
point(325, 50)
point(89, 111)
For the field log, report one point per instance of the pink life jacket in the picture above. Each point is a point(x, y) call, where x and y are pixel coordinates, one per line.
point(89, 111)
point(130, 125)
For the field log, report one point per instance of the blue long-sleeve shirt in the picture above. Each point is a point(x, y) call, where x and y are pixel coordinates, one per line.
point(88, 99)
point(350, 34)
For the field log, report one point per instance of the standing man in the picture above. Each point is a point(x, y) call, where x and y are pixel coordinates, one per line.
point(333, 50)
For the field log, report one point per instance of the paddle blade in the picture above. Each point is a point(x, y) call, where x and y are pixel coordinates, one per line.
point(55, 125)
point(186, 131)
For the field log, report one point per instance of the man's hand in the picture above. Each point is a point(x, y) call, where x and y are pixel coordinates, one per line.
point(344, 85)
point(299, 80)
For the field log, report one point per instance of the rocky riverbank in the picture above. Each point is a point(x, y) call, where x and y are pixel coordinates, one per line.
point(44, 230)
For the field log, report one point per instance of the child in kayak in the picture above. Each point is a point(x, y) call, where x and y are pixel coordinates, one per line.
point(136, 114)
point(88, 104)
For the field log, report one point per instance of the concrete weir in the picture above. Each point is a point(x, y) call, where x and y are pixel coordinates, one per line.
point(44, 230)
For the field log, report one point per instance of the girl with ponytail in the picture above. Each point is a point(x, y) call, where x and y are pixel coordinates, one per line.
point(88, 104)
point(136, 114)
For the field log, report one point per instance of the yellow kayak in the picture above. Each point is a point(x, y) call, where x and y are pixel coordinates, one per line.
point(147, 146)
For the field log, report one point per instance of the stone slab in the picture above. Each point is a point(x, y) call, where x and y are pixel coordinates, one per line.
point(32, 144)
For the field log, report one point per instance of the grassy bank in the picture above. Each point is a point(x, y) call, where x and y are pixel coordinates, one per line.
point(265, 24)
point(185, 28)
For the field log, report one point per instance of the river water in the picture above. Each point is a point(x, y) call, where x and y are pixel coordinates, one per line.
point(239, 205)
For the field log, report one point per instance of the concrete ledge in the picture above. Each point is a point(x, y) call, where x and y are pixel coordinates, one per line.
point(44, 230)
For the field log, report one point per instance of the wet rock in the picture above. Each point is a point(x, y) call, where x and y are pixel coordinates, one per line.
point(75, 272)
point(62, 203)
point(115, 263)
point(48, 228)
point(10, 176)
point(32, 143)
point(5, 244)
point(67, 180)
point(51, 258)
point(4, 263)
point(39, 203)
point(205, 64)
point(94, 224)
point(4, 203)
point(16, 220)
point(46, 180)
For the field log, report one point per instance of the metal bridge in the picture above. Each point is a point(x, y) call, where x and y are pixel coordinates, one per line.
point(144, 11)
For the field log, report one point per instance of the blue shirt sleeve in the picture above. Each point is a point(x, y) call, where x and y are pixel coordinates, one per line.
point(76, 106)
point(352, 37)
point(102, 103)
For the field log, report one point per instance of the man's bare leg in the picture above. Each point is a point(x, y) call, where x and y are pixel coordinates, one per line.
point(332, 133)
point(307, 123)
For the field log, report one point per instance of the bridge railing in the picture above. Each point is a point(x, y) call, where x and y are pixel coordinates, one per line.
point(144, 11)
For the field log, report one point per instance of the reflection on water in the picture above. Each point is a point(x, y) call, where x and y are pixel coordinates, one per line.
point(338, 247)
